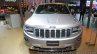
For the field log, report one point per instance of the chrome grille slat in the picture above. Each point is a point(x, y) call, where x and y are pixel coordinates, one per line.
point(39, 32)
point(50, 33)
point(65, 33)
point(53, 33)
point(70, 32)
point(34, 31)
point(60, 33)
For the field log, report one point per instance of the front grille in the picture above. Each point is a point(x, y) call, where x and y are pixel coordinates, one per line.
point(46, 33)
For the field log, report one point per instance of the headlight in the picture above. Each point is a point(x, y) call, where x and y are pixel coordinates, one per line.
point(76, 29)
point(28, 29)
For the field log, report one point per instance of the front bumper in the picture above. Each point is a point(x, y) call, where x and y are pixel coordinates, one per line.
point(64, 44)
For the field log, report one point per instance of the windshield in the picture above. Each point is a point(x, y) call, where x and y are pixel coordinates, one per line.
point(52, 9)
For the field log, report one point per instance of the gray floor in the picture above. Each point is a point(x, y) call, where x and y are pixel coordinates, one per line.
point(11, 41)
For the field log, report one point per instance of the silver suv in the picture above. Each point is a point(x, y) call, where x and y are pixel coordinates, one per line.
point(52, 27)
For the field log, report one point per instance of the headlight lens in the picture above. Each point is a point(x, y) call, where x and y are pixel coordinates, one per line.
point(28, 29)
point(76, 29)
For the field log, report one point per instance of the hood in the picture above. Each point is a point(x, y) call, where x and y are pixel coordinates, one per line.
point(52, 19)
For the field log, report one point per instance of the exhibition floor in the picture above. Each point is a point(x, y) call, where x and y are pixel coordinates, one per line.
point(11, 41)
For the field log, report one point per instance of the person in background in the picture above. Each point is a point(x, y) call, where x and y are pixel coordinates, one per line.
point(82, 15)
point(31, 8)
point(72, 11)
point(29, 11)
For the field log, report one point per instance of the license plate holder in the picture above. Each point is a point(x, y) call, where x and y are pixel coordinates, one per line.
point(52, 43)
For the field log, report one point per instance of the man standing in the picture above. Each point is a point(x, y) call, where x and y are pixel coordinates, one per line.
point(82, 15)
